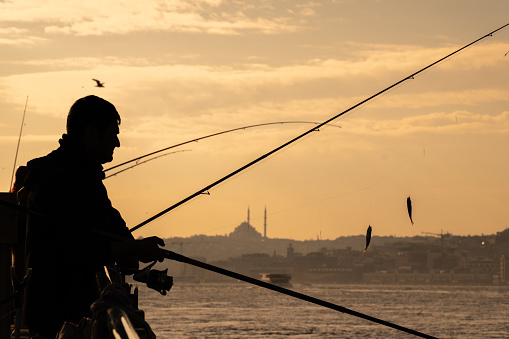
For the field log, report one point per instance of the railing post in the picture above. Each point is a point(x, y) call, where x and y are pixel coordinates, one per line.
point(8, 237)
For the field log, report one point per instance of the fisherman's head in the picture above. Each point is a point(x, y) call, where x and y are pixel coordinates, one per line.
point(94, 123)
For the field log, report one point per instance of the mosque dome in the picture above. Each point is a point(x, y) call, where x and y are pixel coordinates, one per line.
point(245, 231)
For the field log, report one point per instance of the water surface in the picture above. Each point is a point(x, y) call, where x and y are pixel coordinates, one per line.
point(240, 310)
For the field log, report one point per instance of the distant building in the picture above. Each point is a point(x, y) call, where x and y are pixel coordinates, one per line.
point(245, 232)
point(502, 238)
point(407, 260)
point(482, 265)
point(502, 277)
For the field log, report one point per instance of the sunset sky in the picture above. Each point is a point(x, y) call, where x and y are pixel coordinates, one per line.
point(179, 70)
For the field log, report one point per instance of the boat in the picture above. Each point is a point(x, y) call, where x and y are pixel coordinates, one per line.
point(279, 279)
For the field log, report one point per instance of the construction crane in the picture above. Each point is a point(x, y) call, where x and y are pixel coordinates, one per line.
point(442, 235)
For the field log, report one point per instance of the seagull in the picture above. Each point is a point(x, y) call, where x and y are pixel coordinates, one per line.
point(99, 84)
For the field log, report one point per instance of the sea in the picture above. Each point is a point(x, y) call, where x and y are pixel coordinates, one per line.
point(242, 310)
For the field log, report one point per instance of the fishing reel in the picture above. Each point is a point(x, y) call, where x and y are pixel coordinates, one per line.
point(156, 280)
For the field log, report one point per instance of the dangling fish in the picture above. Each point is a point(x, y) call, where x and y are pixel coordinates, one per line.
point(409, 208)
point(368, 237)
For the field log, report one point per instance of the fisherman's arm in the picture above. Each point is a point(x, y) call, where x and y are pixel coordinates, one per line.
point(145, 250)
point(75, 211)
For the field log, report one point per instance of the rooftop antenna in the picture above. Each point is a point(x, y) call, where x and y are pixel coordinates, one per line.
point(19, 139)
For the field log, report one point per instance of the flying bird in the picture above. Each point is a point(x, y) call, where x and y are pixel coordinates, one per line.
point(99, 84)
point(368, 237)
point(409, 208)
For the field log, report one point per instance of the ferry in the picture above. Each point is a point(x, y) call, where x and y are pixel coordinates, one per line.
point(280, 279)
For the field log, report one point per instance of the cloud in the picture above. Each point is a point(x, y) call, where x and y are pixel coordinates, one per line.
point(29, 138)
point(21, 41)
point(308, 8)
point(15, 36)
point(122, 17)
point(12, 30)
point(451, 123)
point(367, 60)
point(253, 92)
point(431, 98)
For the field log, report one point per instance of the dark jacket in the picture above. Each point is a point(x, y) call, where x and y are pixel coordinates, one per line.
point(62, 248)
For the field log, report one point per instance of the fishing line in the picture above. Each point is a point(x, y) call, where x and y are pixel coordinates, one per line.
point(423, 164)
point(370, 205)
point(205, 137)
point(409, 178)
point(247, 170)
point(341, 117)
point(479, 83)
point(17, 148)
point(219, 184)
point(320, 200)
point(403, 83)
point(411, 76)
point(369, 188)
point(143, 162)
point(408, 160)
point(457, 113)
point(206, 192)
point(209, 136)
point(460, 103)
point(293, 208)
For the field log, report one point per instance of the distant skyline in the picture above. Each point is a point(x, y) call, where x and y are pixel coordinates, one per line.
point(178, 70)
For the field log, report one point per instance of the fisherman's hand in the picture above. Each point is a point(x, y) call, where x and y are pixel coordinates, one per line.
point(148, 250)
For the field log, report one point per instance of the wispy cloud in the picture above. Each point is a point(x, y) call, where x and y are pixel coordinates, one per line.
point(12, 30)
point(21, 41)
point(122, 17)
point(452, 123)
point(28, 138)
point(246, 93)
point(16, 36)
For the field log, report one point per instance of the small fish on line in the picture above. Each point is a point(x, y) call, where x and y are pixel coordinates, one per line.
point(409, 208)
point(368, 237)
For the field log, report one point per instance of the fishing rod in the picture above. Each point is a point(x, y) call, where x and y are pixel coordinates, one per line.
point(411, 76)
point(19, 139)
point(140, 163)
point(180, 258)
point(159, 281)
point(212, 135)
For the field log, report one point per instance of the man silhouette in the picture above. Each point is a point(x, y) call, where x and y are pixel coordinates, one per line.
point(64, 248)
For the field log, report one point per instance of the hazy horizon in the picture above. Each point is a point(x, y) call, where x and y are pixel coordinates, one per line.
point(425, 234)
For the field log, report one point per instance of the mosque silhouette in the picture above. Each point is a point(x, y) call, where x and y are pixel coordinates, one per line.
point(245, 231)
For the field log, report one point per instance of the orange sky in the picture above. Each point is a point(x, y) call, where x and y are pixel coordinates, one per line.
point(180, 70)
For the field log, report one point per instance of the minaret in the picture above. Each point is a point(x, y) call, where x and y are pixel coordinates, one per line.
point(265, 224)
point(248, 215)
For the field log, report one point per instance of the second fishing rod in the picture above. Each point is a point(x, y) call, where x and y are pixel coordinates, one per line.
point(205, 189)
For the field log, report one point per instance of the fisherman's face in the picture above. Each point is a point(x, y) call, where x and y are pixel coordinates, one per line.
point(108, 141)
point(101, 145)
